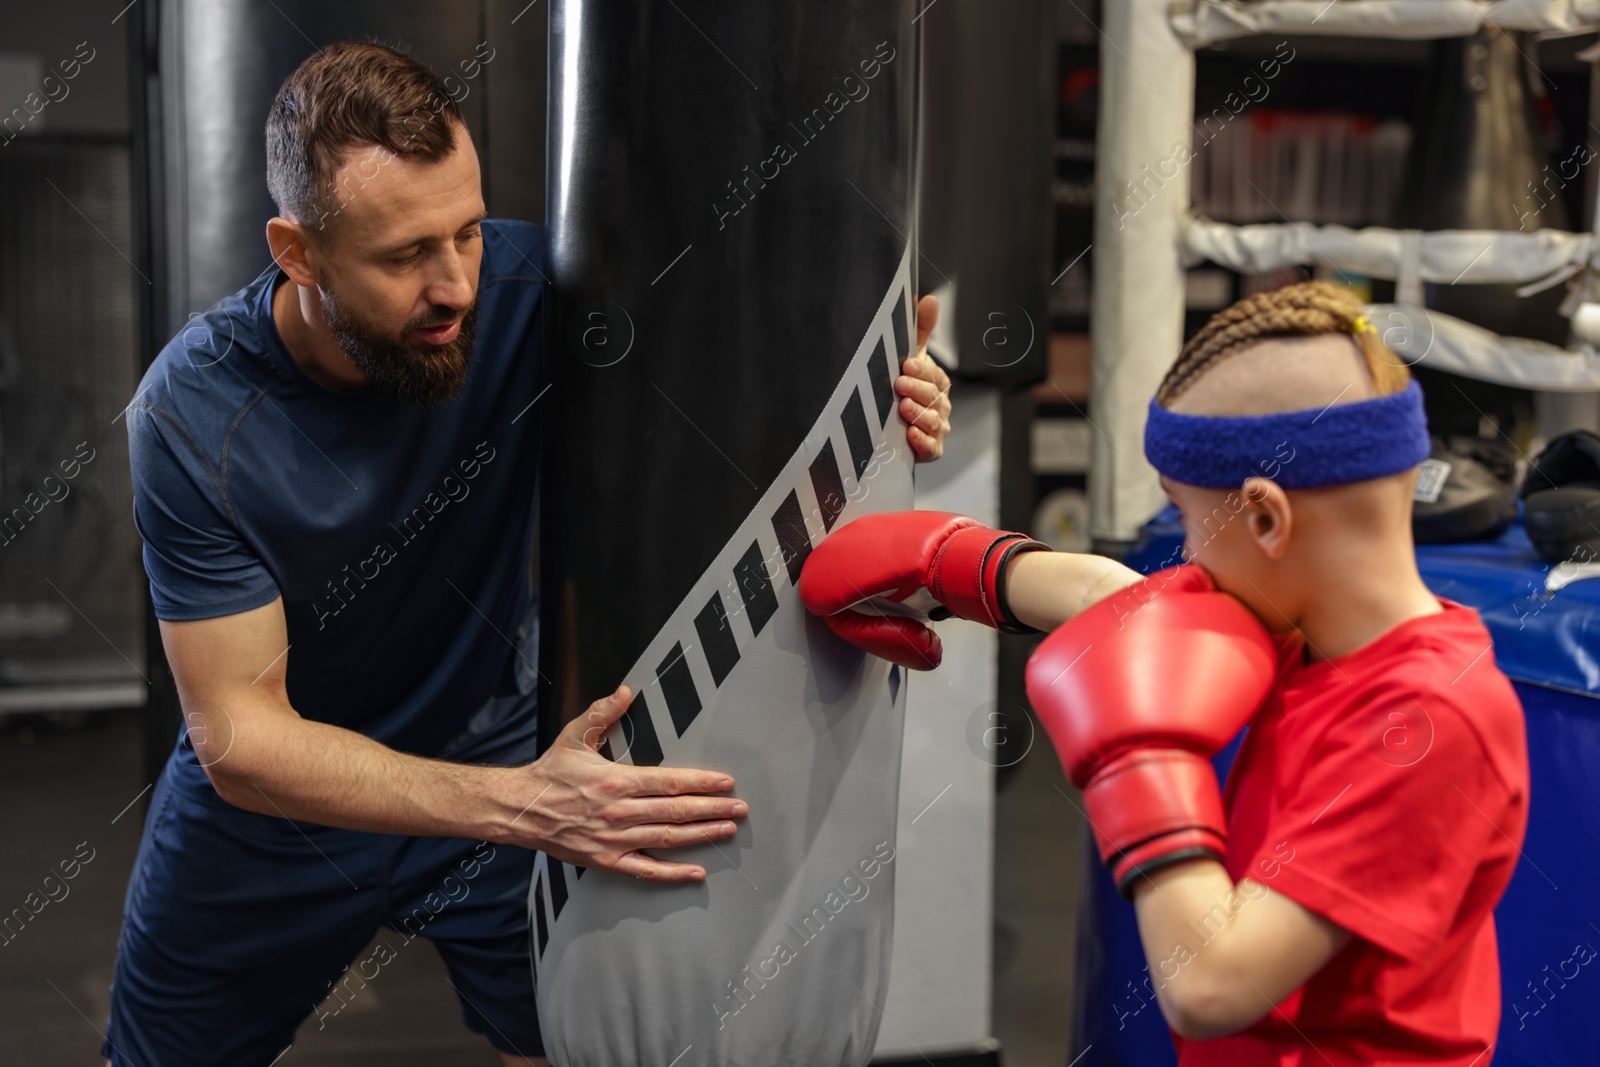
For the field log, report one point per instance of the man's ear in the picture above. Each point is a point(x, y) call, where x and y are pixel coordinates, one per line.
point(291, 250)
point(1268, 518)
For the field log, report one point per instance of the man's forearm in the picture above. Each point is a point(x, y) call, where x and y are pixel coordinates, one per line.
point(1045, 589)
point(280, 764)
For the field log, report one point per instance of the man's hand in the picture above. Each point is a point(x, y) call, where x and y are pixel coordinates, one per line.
point(586, 810)
point(924, 390)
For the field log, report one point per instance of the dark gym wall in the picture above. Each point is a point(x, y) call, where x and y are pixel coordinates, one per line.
point(67, 363)
point(514, 120)
point(985, 211)
point(96, 100)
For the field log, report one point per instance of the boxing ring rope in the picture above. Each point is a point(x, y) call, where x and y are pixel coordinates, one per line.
point(1199, 23)
point(1146, 114)
point(1453, 257)
point(1420, 336)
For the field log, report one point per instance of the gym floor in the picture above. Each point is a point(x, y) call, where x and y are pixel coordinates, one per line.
point(66, 784)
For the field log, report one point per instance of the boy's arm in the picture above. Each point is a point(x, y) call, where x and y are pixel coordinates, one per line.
point(1221, 955)
point(862, 574)
point(1137, 693)
point(1045, 589)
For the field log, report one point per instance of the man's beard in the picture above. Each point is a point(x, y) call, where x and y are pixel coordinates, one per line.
point(422, 373)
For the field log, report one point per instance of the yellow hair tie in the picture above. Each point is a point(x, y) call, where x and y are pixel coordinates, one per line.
point(1362, 324)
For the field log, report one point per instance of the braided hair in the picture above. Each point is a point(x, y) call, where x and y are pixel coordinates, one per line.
point(1307, 309)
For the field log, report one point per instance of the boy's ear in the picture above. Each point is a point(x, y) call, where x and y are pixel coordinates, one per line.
point(1268, 516)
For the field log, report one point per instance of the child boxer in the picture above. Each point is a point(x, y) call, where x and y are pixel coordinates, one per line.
point(1335, 904)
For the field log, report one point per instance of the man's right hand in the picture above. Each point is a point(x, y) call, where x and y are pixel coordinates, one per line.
point(583, 808)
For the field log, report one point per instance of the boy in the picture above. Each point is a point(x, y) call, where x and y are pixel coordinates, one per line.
point(1335, 906)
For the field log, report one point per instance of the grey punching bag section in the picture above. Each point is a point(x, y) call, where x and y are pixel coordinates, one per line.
point(730, 200)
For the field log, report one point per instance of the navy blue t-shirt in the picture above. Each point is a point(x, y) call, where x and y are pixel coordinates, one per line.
point(399, 537)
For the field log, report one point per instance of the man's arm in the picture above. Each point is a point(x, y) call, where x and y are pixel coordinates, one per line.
point(1222, 956)
point(571, 802)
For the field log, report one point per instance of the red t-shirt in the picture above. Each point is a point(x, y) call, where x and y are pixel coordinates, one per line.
point(1386, 790)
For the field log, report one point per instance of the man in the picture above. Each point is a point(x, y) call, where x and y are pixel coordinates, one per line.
point(336, 464)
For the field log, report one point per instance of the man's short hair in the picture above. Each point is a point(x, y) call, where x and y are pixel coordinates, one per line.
point(346, 95)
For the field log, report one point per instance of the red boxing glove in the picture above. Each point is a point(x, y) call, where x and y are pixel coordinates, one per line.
point(1138, 692)
point(890, 556)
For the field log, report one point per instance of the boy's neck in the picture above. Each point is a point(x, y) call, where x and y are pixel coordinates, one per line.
point(1359, 597)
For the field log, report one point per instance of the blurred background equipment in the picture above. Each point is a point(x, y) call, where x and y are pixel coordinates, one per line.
point(1323, 167)
point(1481, 164)
point(1561, 500)
point(1466, 490)
point(71, 586)
point(984, 240)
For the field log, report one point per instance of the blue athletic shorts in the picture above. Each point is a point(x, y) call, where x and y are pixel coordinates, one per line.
point(237, 926)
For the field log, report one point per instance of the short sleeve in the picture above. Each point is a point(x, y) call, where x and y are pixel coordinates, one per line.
point(198, 565)
point(1394, 812)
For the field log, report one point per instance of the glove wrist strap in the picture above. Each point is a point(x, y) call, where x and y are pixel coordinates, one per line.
point(1151, 808)
point(1001, 553)
point(968, 575)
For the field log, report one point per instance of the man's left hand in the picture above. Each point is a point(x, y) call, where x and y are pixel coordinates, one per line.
point(924, 390)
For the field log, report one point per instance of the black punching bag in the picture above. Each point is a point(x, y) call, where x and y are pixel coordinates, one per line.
point(730, 195)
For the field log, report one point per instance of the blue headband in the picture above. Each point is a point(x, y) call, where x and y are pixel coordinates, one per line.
point(1335, 445)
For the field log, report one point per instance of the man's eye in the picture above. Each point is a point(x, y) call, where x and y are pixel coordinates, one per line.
point(471, 236)
point(412, 258)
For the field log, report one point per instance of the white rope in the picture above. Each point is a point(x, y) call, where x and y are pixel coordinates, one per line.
point(1202, 22)
point(1433, 339)
point(1454, 257)
point(1421, 336)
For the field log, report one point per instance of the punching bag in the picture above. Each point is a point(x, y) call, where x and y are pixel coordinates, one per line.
point(730, 196)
